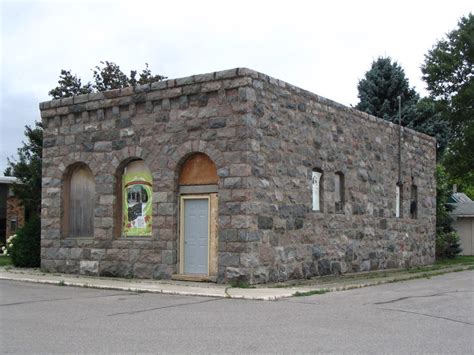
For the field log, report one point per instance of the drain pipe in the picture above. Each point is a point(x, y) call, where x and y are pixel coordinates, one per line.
point(399, 141)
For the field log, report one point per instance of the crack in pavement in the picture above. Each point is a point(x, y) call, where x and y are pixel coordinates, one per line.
point(426, 315)
point(423, 296)
point(163, 307)
point(67, 299)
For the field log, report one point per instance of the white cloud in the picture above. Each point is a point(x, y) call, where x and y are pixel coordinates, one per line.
point(322, 47)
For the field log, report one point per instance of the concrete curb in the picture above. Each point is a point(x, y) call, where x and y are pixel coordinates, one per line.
point(262, 294)
point(211, 290)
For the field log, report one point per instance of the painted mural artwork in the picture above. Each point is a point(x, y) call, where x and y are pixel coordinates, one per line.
point(137, 207)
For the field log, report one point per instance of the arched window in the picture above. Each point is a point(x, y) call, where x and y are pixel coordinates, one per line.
point(317, 189)
point(339, 191)
point(136, 197)
point(79, 198)
point(198, 169)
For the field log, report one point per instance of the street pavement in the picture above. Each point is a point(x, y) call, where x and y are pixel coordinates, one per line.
point(433, 315)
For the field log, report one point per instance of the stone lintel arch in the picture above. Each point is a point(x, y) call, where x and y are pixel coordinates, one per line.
point(120, 158)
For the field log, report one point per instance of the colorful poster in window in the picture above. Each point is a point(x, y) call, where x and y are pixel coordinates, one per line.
point(137, 207)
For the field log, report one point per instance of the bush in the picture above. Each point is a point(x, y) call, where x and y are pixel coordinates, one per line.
point(26, 249)
point(447, 241)
point(447, 245)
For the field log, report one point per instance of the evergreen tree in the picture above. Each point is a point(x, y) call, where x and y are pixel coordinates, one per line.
point(378, 92)
point(27, 168)
point(430, 121)
point(69, 85)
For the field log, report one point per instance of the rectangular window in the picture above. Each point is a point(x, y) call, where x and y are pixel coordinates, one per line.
point(13, 225)
point(316, 189)
point(414, 202)
point(398, 202)
point(339, 191)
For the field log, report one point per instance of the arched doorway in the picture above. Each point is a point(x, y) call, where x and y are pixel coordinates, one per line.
point(198, 217)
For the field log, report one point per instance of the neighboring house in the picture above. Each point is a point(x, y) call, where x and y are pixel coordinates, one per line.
point(12, 213)
point(463, 214)
point(230, 176)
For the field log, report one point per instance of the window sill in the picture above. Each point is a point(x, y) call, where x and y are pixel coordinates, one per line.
point(78, 238)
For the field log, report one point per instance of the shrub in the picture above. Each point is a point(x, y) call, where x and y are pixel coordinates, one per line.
point(26, 249)
point(447, 245)
point(447, 241)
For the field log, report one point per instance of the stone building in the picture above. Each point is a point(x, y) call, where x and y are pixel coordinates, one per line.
point(228, 176)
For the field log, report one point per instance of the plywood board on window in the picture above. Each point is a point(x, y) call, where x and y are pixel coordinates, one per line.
point(198, 169)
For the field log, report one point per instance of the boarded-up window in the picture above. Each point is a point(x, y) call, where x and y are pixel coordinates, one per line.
point(339, 191)
point(317, 190)
point(198, 169)
point(80, 196)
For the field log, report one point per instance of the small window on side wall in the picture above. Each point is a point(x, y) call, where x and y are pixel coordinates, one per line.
point(339, 191)
point(399, 201)
point(137, 193)
point(13, 225)
point(414, 202)
point(317, 189)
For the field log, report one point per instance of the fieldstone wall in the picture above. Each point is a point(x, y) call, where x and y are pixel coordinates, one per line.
point(295, 131)
point(162, 123)
point(265, 137)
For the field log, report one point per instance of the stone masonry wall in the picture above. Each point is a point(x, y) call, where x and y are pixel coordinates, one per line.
point(295, 131)
point(162, 123)
point(265, 137)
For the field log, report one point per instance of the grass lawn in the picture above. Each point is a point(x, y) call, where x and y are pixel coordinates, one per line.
point(5, 260)
point(458, 260)
point(459, 263)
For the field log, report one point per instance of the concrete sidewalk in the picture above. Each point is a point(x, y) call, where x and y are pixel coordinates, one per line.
point(260, 292)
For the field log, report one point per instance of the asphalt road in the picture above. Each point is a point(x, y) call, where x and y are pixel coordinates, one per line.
point(421, 316)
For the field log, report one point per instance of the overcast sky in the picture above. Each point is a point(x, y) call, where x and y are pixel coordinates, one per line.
point(324, 47)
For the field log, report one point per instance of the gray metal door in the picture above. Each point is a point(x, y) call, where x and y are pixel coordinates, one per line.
point(196, 236)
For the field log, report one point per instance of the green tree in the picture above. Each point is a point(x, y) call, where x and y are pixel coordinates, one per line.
point(378, 92)
point(69, 85)
point(107, 76)
point(27, 168)
point(429, 120)
point(448, 72)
